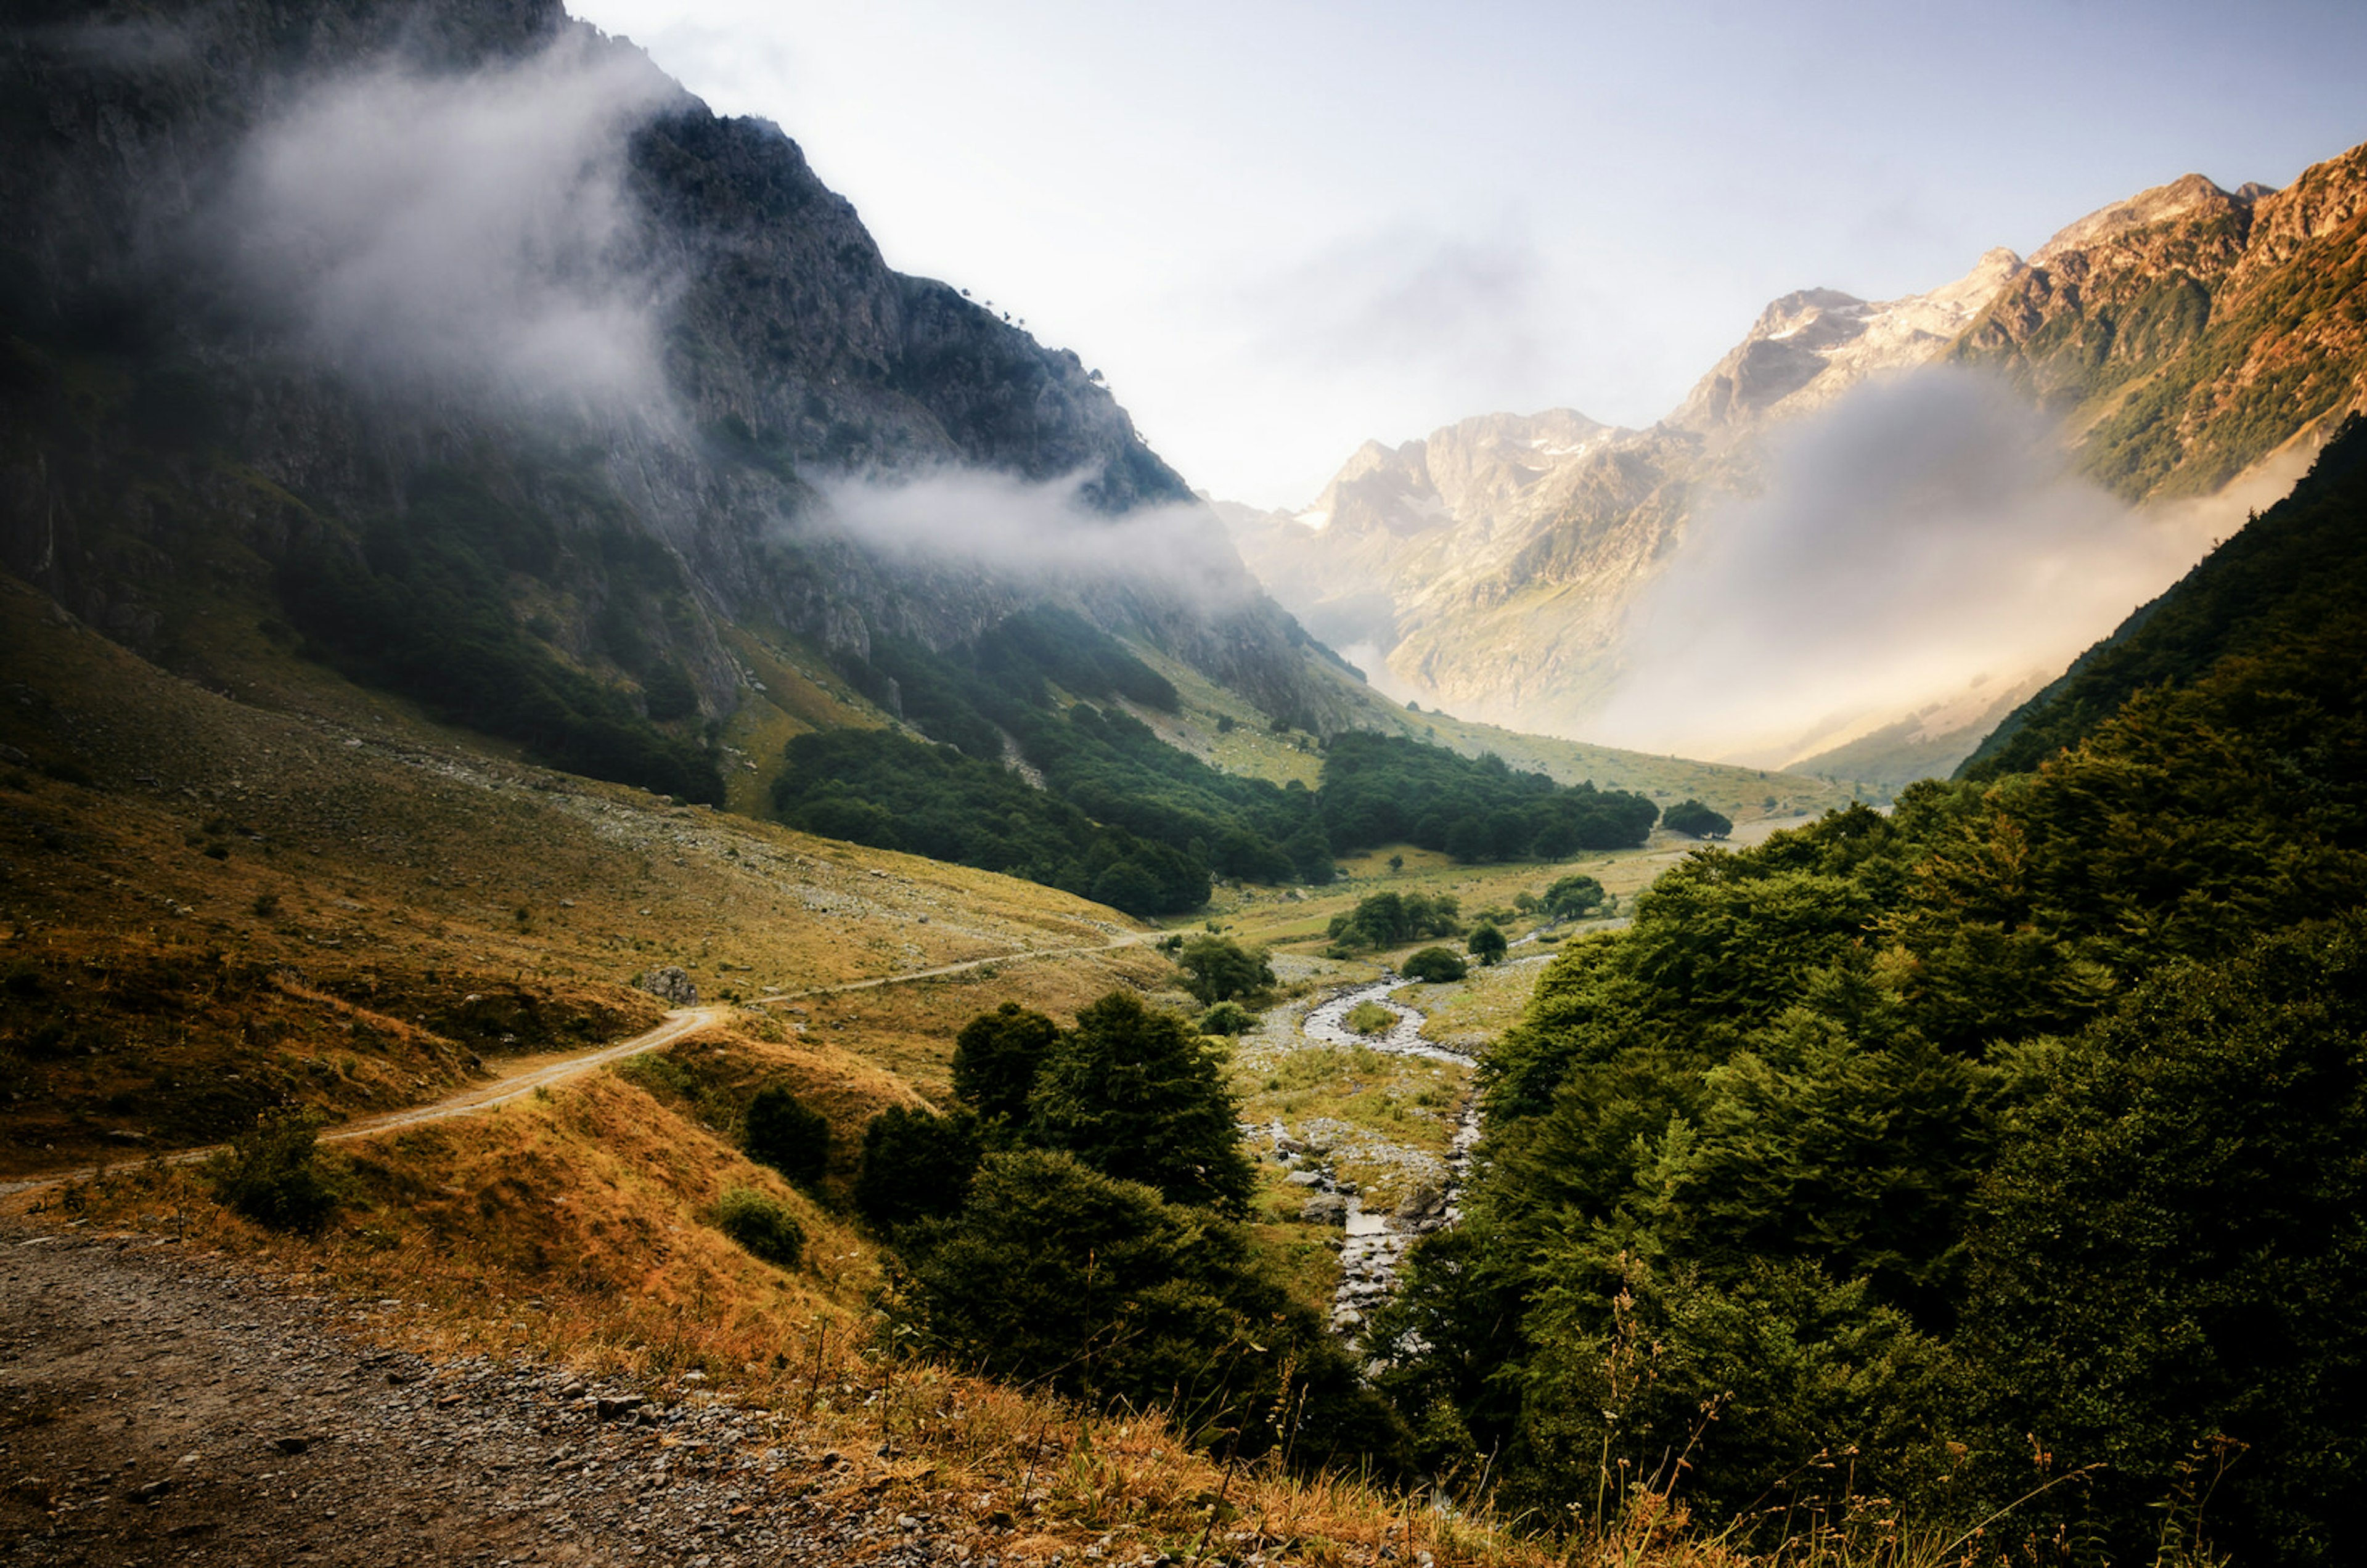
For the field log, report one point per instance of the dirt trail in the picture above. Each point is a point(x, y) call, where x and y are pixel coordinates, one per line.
point(1135, 940)
point(540, 1071)
point(159, 1407)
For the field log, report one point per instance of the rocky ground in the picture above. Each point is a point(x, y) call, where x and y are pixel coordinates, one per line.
point(155, 1409)
point(1374, 1240)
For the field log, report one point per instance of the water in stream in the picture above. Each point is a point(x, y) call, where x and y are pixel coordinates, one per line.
point(1376, 1243)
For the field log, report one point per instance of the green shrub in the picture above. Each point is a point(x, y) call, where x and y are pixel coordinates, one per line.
point(1436, 965)
point(761, 1225)
point(1571, 896)
point(915, 1166)
point(1693, 817)
point(1218, 968)
point(995, 1059)
point(1487, 945)
point(272, 1173)
point(1384, 919)
point(1056, 1273)
point(1228, 1018)
point(781, 1131)
point(1136, 1095)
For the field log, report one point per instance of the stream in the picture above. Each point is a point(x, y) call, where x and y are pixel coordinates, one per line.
point(1374, 1248)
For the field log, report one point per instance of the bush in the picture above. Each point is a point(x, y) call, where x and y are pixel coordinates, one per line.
point(1135, 1094)
point(1385, 919)
point(1572, 896)
point(1228, 1018)
point(272, 1174)
point(780, 1131)
point(761, 1225)
point(1487, 945)
point(1218, 968)
point(995, 1059)
point(1058, 1274)
point(1692, 816)
point(915, 1166)
point(1434, 964)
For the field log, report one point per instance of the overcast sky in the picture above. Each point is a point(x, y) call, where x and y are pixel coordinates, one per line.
point(1281, 229)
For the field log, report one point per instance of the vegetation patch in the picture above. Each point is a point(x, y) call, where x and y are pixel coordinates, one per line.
point(761, 1225)
point(272, 1173)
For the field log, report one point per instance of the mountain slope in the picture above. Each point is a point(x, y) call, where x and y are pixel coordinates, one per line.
point(536, 470)
point(2188, 337)
point(2296, 572)
point(2189, 333)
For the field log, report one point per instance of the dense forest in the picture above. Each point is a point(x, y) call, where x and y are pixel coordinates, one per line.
point(1126, 818)
point(2010, 1143)
point(1381, 789)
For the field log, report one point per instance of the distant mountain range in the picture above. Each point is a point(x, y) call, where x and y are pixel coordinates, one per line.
point(2188, 340)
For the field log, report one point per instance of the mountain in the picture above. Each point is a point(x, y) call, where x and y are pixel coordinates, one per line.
point(2189, 333)
point(2186, 339)
point(452, 354)
point(1491, 565)
point(2294, 577)
point(457, 347)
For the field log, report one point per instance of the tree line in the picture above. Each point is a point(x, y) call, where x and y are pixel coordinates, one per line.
point(1126, 818)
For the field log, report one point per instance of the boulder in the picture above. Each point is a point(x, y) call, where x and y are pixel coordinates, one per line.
point(670, 984)
point(1325, 1209)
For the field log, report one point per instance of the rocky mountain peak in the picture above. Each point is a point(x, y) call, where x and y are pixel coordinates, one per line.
point(1809, 346)
point(2189, 197)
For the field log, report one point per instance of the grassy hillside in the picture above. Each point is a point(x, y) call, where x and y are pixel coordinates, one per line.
point(1251, 746)
point(351, 908)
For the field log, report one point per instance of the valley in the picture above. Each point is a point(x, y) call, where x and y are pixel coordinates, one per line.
point(666, 897)
point(1544, 571)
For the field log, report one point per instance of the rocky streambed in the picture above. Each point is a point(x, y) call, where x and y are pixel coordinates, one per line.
point(1375, 1239)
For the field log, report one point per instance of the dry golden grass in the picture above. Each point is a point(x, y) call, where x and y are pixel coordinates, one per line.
point(574, 1230)
point(217, 907)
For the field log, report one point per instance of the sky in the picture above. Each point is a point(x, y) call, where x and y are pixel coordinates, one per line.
point(1282, 229)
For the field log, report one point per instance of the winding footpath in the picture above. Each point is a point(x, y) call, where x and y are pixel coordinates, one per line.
point(543, 1072)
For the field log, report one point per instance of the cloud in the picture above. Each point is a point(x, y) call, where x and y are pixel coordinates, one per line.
point(472, 228)
point(1919, 536)
point(1023, 528)
point(1409, 306)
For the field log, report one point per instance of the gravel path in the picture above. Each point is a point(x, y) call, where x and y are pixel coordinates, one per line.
point(537, 1074)
point(157, 1408)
